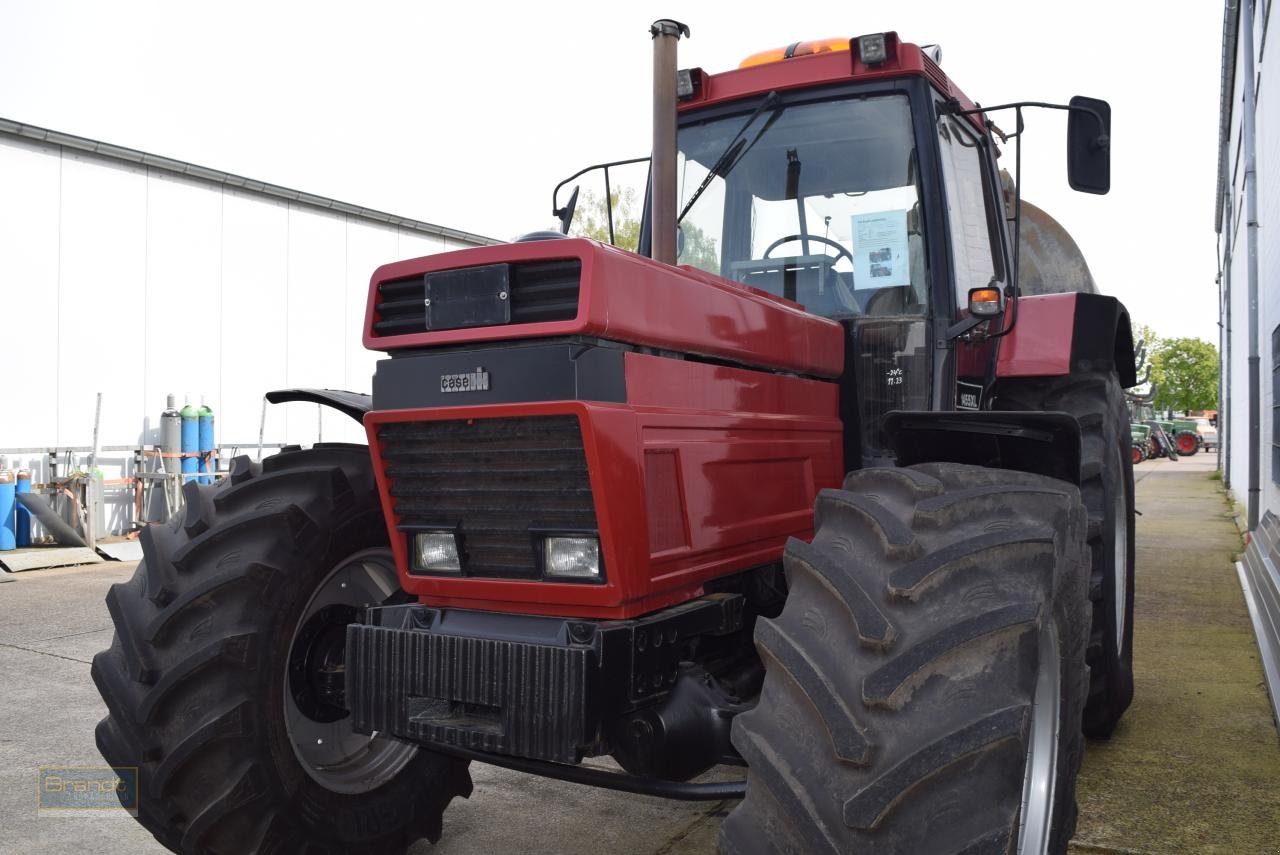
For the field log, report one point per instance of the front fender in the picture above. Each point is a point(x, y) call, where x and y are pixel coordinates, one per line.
point(353, 404)
point(1038, 442)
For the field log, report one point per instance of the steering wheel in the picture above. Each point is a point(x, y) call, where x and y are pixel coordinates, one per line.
point(789, 238)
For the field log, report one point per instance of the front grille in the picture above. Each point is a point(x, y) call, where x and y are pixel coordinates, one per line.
point(540, 291)
point(497, 478)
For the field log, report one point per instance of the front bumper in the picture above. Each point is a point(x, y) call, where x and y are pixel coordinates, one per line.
point(535, 687)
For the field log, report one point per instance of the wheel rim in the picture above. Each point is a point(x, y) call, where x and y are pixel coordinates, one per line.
point(335, 756)
point(1121, 566)
point(1041, 775)
point(1136, 454)
point(1186, 444)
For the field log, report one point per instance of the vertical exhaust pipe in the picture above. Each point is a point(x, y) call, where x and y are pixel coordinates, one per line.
point(662, 176)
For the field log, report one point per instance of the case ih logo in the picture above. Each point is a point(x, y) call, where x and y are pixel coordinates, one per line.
point(476, 381)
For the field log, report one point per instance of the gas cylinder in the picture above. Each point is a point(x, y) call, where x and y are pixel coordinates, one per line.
point(190, 438)
point(7, 501)
point(171, 437)
point(205, 417)
point(23, 534)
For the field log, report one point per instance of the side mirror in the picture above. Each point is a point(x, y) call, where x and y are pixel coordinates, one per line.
point(565, 214)
point(985, 303)
point(1089, 145)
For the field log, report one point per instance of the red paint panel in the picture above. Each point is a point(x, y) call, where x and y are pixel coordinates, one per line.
point(728, 488)
point(684, 384)
point(629, 298)
point(1040, 344)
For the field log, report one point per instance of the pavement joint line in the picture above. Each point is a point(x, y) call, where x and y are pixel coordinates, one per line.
point(45, 653)
point(68, 635)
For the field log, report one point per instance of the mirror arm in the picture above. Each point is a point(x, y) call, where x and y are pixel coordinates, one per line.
point(963, 325)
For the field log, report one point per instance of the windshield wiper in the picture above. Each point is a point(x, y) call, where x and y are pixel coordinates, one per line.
point(734, 151)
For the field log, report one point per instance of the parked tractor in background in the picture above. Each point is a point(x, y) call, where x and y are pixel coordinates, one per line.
point(1142, 444)
point(845, 498)
point(1186, 439)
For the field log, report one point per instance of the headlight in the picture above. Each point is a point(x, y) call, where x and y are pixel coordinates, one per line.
point(571, 557)
point(436, 552)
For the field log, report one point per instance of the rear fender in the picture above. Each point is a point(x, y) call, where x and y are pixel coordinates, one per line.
point(1042, 443)
point(1059, 334)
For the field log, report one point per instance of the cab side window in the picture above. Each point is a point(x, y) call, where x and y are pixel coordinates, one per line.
point(971, 209)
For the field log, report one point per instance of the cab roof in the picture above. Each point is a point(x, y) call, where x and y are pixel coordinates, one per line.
point(826, 67)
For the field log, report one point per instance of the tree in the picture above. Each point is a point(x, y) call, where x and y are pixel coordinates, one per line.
point(698, 250)
point(591, 219)
point(1185, 372)
point(1143, 334)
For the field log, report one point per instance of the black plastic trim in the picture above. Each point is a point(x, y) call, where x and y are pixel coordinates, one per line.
point(535, 687)
point(1043, 443)
point(1102, 338)
point(519, 372)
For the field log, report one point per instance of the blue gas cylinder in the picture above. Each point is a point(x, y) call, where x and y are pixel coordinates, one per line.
point(190, 440)
point(204, 416)
point(23, 533)
point(7, 493)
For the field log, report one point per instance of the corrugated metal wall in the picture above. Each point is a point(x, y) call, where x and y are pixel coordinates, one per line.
point(136, 282)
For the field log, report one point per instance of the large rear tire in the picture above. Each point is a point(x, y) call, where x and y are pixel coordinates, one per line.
point(925, 680)
point(239, 744)
point(1106, 484)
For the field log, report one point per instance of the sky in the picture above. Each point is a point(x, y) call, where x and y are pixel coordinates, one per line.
point(467, 114)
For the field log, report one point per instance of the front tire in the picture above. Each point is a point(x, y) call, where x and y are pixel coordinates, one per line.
point(1106, 485)
point(925, 680)
point(203, 685)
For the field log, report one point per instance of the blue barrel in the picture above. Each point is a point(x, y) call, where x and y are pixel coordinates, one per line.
point(8, 491)
point(204, 416)
point(23, 534)
point(190, 440)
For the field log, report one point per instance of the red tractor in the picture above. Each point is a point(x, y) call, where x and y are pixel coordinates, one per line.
point(841, 504)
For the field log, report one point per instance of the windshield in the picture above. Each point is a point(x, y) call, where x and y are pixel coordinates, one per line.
point(814, 202)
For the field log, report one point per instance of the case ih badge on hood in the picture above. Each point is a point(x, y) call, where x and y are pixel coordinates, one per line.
point(475, 381)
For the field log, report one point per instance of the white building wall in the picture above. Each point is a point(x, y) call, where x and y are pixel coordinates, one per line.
point(1267, 146)
point(135, 282)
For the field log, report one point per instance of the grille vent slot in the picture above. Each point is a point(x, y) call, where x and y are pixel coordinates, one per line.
point(540, 291)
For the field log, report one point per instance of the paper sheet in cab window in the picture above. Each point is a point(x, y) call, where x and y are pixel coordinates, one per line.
point(880, 255)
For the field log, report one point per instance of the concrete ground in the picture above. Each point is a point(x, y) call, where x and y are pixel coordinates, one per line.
point(1194, 767)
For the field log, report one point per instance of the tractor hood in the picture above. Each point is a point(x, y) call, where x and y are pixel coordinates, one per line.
point(578, 287)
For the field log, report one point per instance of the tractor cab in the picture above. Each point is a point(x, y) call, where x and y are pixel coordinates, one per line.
point(866, 203)
point(852, 177)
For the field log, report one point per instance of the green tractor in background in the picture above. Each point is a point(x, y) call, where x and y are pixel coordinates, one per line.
point(1185, 436)
point(1151, 437)
point(1140, 445)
